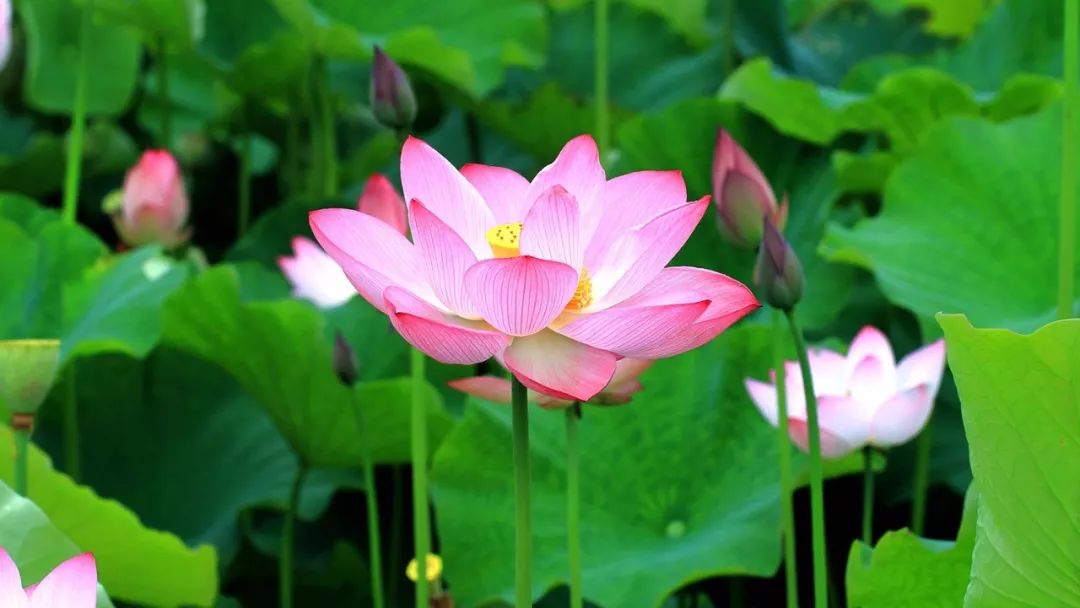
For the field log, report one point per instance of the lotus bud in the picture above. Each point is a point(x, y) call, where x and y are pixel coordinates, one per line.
point(345, 364)
point(392, 99)
point(154, 205)
point(27, 371)
point(778, 274)
point(742, 195)
point(380, 199)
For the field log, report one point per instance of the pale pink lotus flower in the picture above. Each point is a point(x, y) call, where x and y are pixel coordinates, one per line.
point(557, 278)
point(315, 276)
point(155, 204)
point(864, 398)
point(624, 383)
point(5, 32)
point(72, 584)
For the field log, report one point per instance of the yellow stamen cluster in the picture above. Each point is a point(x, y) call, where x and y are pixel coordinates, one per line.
point(583, 294)
point(432, 569)
point(505, 240)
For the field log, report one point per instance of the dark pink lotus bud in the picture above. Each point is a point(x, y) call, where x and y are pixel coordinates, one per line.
point(154, 205)
point(778, 274)
point(381, 199)
point(392, 99)
point(742, 195)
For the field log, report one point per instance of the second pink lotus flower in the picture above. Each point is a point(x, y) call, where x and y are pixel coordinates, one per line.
point(72, 584)
point(558, 278)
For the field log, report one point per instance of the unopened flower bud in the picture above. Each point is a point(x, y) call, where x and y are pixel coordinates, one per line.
point(154, 206)
point(778, 274)
point(27, 371)
point(392, 99)
point(345, 365)
point(742, 195)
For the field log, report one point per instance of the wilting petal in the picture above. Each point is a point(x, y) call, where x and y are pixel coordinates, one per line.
point(438, 335)
point(380, 199)
point(902, 417)
point(373, 255)
point(578, 169)
point(315, 276)
point(764, 397)
point(924, 366)
point(503, 189)
point(844, 425)
point(11, 591)
point(497, 390)
point(445, 257)
point(520, 295)
point(638, 256)
point(431, 179)
point(870, 341)
point(560, 367)
point(637, 331)
point(631, 200)
point(72, 584)
point(551, 230)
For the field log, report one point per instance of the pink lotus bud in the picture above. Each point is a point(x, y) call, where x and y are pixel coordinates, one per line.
point(5, 32)
point(380, 199)
point(742, 195)
point(778, 274)
point(392, 99)
point(155, 205)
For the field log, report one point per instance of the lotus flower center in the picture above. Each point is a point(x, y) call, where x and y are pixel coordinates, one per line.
point(505, 241)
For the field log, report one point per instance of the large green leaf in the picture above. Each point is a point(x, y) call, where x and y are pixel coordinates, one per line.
point(112, 62)
point(966, 227)
point(677, 486)
point(906, 571)
point(280, 353)
point(176, 24)
point(1019, 395)
point(135, 563)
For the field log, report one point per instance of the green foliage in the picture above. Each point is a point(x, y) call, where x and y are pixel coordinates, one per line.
point(1019, 403)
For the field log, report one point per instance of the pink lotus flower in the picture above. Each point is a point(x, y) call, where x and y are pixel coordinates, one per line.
point(624, 383)
point(314, 275)
point(72, 584)
point(864, 398)
point(742, 195)
point(557, 278)
point(155, 205)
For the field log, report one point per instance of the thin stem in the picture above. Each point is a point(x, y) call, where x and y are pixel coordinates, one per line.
point(22, 452)
point(817, 477)
point(329, 135)
point(287, 533)
point(396, 516)
point(166, 104)
point(292, 151)
point(374, 542)
point(729, 37)
point(787, 515)
point(573, 511)
point(868, 497)
point(523, 505)
point(243, 219)
point(922, 479)
point(419, 473)
point(603, 120)
point(78, 123)
point(1067, 240)
point(71, 425)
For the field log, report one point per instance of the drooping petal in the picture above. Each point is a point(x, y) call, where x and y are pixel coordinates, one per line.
point(560, 367)
point(844, 425)
point(551, 230)
point(520, 295)
point(445, 257)
point(870, 341)
point(373, 255)
point(578, 169)
point(504, 191)
point(631, 200)
point(430, 178)
point(923, 366)
point(72, 584)
point(899, 419)
point(380, 199)
point(315, 276)
point(438, 335)
point(637, 331)
point(493, 389)
point(639, 255)
point(11, 591)
point(764, 397)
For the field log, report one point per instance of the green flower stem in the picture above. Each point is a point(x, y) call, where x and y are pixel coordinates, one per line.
point(397, 517)
point(374, 542)
point(868, 497)
point(921, 481)
point(729, 37)
point(78, 123)
point(787, 515)
point(523, 510)
point(288, 533)
point(1067, 226)
point(573, 510)
point(817, 476)
point(419, 473)
point(603, 120)
point(166, 104)
point(22, 453)
point(292, 151)
point(329, 135)
point(71, 425)
point(243, 219)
